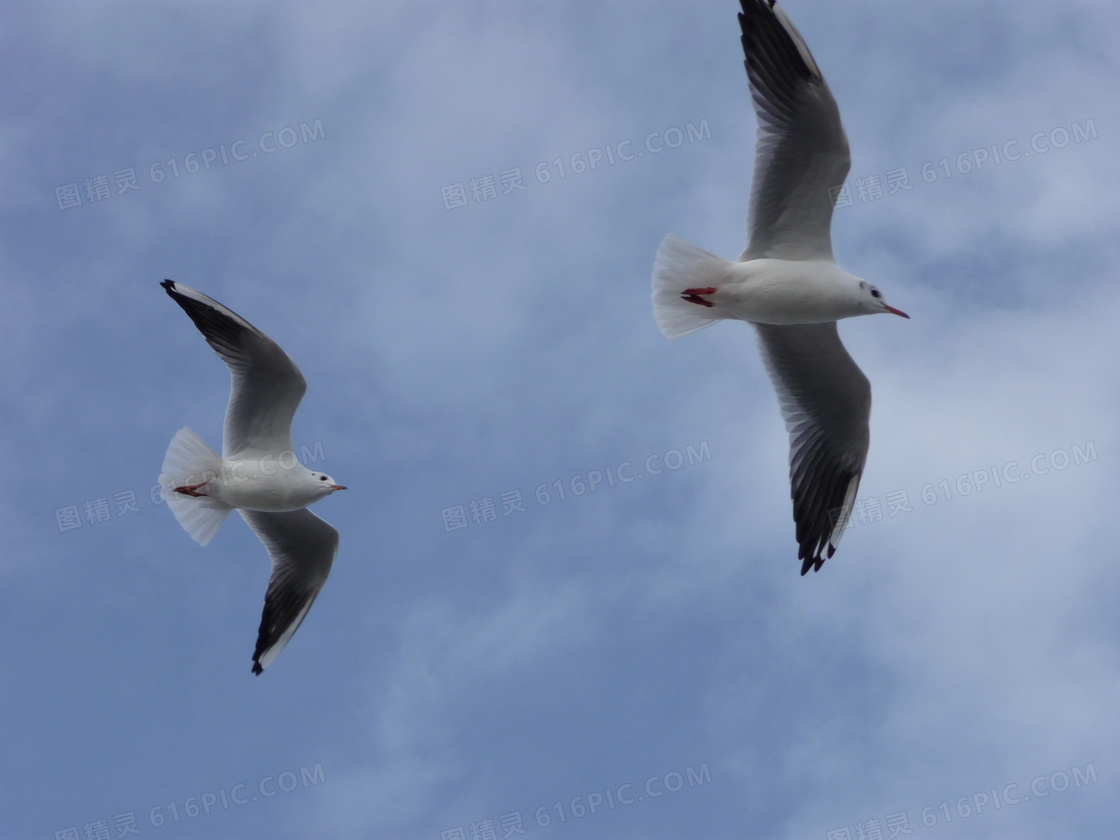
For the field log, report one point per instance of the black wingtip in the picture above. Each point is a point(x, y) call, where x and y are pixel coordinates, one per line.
point(769, 46)
point(813, 563)
point(752, 7)
point(257, 669)
point(168, 286)
point(747, 4)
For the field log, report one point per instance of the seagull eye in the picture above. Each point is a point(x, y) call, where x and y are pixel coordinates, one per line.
point(875, 293)
point(322, 478)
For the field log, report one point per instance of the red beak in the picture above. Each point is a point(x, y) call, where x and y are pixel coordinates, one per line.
point(894, 311)
point(337, 487)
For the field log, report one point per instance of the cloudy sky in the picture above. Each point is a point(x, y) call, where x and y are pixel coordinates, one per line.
point(566, 602)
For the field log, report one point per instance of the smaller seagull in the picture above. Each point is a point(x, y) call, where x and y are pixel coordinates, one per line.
point(786, 284)
point(257, 473)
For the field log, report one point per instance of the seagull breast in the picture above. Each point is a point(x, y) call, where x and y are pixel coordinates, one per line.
point(770, 291)
point(260, 484)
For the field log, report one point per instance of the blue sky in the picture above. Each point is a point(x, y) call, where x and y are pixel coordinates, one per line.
point(647, 648)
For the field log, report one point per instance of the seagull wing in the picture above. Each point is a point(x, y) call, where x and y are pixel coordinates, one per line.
point(302, 547)
point(801, 151)
point(826, 403)
point(267, 385)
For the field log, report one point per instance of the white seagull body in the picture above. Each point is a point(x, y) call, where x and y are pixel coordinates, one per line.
point(786, 283)
point(258, 473)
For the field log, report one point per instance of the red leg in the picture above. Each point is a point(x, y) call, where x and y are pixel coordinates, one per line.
point(191, 489)
point(694, 295)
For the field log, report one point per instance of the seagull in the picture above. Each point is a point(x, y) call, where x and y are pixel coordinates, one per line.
point(786, 283)
point(257, 473)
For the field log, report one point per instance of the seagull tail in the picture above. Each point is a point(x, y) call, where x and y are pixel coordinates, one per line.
point(680, 265)
point(189, 462)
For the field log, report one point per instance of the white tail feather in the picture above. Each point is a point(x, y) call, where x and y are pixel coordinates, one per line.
point(681, 265)
point(190, 461)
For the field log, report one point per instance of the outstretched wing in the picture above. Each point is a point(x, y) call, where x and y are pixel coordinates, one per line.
point(267, 385)
point(302, 547)
point(826, 403)
point(801, 151)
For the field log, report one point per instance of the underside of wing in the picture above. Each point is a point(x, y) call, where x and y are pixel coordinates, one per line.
point(302, 547)
point(267, 385)
point(801, 152)
point(826, 403)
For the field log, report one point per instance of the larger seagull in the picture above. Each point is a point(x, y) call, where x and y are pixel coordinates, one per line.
point(257, 473)
point(786, 284)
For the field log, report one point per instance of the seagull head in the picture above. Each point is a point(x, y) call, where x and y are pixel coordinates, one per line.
point(872, 302)
point(325, 483)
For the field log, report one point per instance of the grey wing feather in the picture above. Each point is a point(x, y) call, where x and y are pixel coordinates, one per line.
point(303, 548)
point(267, 385)
point(826, 403)
point(801, 151)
